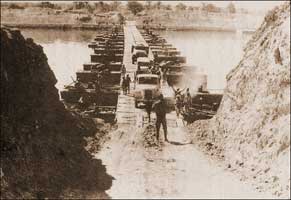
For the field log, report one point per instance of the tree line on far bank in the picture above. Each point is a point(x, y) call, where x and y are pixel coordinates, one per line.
point(134, 7)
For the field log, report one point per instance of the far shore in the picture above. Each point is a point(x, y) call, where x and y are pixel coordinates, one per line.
point(87, 26)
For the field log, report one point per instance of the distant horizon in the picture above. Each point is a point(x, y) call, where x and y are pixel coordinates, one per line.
point(249, 5)
point(259, 6)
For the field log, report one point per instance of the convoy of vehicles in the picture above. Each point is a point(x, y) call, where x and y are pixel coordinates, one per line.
point(146, 85)
point(97, 86)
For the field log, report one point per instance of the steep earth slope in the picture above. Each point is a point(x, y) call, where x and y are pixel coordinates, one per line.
point(42, 144)
point(251, 131)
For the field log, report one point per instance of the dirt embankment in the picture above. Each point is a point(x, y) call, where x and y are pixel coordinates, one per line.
point(42, 144)
point(251, 131)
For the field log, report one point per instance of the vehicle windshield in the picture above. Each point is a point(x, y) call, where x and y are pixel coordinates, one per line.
point(148, 80)
point(141, 54)
point(143, 64)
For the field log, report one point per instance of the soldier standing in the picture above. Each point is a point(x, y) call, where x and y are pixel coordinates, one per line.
point(178, 104)
point(128, 80)
point(123, 71)
point(188, 100)
point(160, 108)
point(123, 85)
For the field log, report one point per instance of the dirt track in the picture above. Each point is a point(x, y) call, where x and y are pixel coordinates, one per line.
point(172, 170)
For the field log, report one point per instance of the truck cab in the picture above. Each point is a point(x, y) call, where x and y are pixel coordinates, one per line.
point(147, 88)
point(138, 46)
point(143, 65)
point(139, 50)
point(138, 54)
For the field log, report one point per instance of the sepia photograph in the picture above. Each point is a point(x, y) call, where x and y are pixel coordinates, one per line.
point(145, 100)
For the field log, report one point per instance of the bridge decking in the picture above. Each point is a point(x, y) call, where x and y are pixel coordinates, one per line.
point(125, 113)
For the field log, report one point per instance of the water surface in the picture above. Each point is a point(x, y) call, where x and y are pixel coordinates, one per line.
point(214, 52)
point(66, 51)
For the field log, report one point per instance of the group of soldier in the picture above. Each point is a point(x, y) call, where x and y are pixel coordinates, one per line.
point(125, 84)
point(125, 81)
point(183, 102)
point(160, 71)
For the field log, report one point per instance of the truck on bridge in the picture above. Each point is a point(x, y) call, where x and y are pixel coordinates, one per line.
point(147, 88)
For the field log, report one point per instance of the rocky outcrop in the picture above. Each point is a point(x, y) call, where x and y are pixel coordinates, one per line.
point(42, 144)
point(251, 130)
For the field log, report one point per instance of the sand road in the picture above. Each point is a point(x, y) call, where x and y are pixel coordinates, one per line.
point(172, 170)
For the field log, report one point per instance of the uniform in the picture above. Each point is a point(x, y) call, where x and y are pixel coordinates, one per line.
point(160, 109)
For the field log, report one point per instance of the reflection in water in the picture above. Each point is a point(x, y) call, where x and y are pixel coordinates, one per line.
point(215, 52)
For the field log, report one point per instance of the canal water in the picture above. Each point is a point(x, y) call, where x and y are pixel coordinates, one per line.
point(66, 51)
point(216, 53)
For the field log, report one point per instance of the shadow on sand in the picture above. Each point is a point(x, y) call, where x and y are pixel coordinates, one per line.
point(94, 184)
